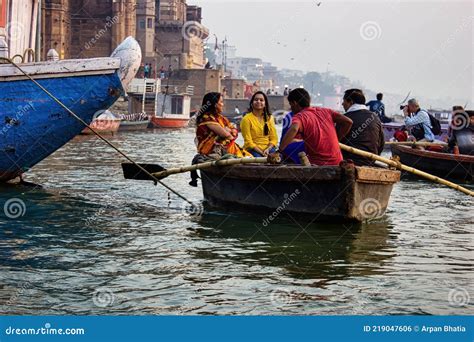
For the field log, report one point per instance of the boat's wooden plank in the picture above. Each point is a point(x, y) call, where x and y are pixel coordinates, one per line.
point(52, 69)
point(434, 155)
point(280, 172)
point(376, 175)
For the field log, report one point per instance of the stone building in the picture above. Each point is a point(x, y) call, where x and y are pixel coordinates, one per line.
point(145, 31)
point(180, 35)
point(234, 88)
point(83, 29)
point(57, 27)
point(203, 80)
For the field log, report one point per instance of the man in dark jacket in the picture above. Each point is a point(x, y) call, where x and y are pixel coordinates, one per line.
point(366, 132)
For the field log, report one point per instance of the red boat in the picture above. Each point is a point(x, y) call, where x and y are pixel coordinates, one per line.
point(168, 122)
point(172, 111)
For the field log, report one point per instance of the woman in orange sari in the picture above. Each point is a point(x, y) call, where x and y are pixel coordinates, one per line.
point(215, 134)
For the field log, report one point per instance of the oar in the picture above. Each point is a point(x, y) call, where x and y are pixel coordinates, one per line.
point(400, 166)
point(416, 143)
point(131, 171)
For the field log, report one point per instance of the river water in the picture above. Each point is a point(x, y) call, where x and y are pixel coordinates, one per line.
point(90, 242)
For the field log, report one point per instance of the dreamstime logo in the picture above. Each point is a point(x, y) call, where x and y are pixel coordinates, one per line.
point(281, 297)
point(370, 209)
point(362, 127)
point(286, 202)
point(282, 118)
point(370, 30)
point(21, 111)
point(15, 30)
point(103, 120)
point(196, 209)
point(192, 29)
point(458, 297)
point(109, 22)
point(103, 297)
point(14, 208)
point(20, 291)
point(460, 120)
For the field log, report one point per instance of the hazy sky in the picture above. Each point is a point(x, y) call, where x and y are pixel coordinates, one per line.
point(390, 46)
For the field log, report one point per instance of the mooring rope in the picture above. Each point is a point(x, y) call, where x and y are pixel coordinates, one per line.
point(156, 180)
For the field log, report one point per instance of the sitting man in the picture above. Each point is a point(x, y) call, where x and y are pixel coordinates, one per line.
point(366, 132)
point(418, 120)
point(320, 128)
point(378, 108)
point(461, 132)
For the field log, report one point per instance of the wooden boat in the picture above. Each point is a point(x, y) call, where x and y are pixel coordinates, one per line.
point(169, 122)
point(134, 122)
point(444, 165)
point(133, 125)
point(167, 107)
point(345, 193)
point(172, 111)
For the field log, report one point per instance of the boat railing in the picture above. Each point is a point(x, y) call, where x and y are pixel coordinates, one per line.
point(178, 89)
point(150, 86)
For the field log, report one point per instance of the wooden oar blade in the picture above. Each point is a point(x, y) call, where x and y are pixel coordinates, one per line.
point(132, 171)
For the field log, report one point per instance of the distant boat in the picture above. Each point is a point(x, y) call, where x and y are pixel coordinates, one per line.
point(33, 126)
point(445, 165)
point(104, 123)
point(175, 113)
point(134, 122)
point(167, 108)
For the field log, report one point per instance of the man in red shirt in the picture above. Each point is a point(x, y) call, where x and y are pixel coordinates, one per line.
point(321, 129)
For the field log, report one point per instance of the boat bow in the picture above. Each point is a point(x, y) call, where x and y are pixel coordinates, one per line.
point(130, 56)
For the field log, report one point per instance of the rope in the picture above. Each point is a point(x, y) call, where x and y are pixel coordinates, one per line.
point(95, 132)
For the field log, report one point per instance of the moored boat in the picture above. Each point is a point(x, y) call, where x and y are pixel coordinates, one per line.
point(444, 165)
point(33, 126)
point(168, 121)
point(346, 193)
point(172, 111)
point(134, 122)
point(104, 123)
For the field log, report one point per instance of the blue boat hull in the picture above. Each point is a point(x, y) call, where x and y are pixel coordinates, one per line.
point(33, 126)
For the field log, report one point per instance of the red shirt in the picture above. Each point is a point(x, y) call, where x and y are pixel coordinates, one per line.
point(319, 135)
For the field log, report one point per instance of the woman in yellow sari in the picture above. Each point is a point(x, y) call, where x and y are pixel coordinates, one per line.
point(215, 134)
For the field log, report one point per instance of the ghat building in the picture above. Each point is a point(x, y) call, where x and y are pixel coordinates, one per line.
point(169, 31)
point(84, 28)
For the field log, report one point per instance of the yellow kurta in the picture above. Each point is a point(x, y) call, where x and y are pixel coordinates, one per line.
point(252, 131)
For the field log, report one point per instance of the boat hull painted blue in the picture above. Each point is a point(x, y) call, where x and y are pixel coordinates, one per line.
point(33, 126)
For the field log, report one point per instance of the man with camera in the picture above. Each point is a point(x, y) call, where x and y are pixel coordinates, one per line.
point(418, 121)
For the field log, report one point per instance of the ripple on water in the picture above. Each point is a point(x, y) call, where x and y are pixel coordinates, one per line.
point(91, 242)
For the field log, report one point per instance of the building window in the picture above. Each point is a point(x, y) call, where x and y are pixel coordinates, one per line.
point(150, 23)
point(176, 105)
point(142, 24)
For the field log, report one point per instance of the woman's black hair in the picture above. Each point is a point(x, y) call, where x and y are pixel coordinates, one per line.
point(266, 110)
point(209, 103)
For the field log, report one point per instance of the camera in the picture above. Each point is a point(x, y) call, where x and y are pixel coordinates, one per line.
point(402, 107)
